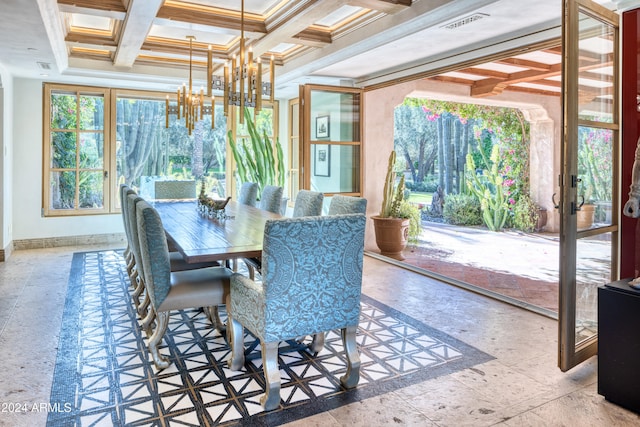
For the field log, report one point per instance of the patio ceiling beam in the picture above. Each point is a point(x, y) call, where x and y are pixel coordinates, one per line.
point(495, 86)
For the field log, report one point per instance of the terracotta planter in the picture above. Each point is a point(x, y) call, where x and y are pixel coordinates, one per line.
point(585, 216)
point(392, 235)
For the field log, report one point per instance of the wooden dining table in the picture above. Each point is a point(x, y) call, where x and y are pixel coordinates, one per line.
point(200, 238)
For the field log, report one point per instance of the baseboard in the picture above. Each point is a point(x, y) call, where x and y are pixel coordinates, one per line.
point(5, 253)
point(54, 242)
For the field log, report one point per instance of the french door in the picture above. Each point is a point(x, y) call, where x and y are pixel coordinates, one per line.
point(589, 180)
point(330, 141)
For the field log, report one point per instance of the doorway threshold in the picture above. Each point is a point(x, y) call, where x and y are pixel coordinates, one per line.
point(466, 286)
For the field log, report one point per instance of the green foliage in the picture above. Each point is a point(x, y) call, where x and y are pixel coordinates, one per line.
point(503, 126)
point(594, 164)
point(258, 161)
point(485, 145)
point(462, 209)
point(525, 214)
point(411, 211)
point(429, 185)
point(488, 188)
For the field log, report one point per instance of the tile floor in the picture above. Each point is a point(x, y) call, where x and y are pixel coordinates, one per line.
point(522, 386)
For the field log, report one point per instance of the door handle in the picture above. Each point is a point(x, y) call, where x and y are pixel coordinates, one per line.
point(555, 204)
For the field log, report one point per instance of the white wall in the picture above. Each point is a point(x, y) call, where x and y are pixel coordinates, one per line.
point(26, 179)
point(6, 138)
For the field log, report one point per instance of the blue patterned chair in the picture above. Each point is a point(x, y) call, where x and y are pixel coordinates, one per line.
point(248, 193)
point(204, 287)
point(124, 191)
point(271, 198)
point(347, 204)
point(308, 203)
point(176, 260)
point(311, 283)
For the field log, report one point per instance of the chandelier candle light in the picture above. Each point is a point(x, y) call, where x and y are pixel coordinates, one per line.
point(242, 85)
point(190, 105)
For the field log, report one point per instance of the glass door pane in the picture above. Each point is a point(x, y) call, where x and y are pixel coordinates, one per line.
point(331, 146)
point(589, 230)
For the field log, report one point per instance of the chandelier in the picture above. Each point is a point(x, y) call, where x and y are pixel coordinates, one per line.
point(190, 104)
point(241, 84)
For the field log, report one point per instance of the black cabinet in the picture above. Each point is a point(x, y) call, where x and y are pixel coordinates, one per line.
point(619, 344)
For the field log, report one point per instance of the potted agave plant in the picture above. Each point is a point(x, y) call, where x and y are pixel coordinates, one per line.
point(398, 221)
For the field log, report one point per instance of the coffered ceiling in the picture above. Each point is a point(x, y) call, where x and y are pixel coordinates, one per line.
point(143, 43)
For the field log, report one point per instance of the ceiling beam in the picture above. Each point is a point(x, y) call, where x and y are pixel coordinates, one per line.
point(136, 26)
point(104, 5)
point(387, 6)
point(296, 25)
point(211, 17)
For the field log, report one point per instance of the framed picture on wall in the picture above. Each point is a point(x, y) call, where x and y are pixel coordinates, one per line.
point(322, 160)
point(322, 126)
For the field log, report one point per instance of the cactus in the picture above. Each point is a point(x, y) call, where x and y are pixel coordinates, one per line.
point(392, 195)
point(256, 160)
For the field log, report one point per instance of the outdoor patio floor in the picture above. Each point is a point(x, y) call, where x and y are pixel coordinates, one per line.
point(518, 265)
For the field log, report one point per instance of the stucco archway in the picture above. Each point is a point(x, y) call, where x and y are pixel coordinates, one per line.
point(542, 112)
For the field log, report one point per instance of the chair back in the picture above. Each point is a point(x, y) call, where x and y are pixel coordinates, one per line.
point(271, 198)
point(132, 225)
point(312, 274)
point(154, 252)
point(125, 191)
point(347, 204)
point(248, 193)
point(308, 203)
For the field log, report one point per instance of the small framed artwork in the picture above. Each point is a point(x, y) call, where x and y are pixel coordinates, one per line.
point(322, 126)
point(322, 157)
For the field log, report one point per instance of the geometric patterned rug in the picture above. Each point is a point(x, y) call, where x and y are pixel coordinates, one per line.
point(104, 374)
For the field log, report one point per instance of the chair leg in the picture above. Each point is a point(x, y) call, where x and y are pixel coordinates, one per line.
point(162, 321)
point(251, 270)
point(138, 291)
point(317, 344)
point(271, 398)
point(352, 376)
point(144, 305)
point(147, 322)
point(235, 336)
point(213, 315)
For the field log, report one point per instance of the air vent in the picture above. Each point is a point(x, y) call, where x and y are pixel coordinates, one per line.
point(44, 65)
point(464, 21)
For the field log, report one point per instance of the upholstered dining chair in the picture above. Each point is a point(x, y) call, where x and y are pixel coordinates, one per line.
point(271, 198)
point(205, 287)
point(176, 260)
point(311, 283)
point(347, 204)
point(124, 191)
point(308, 203)
point(248, 193)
